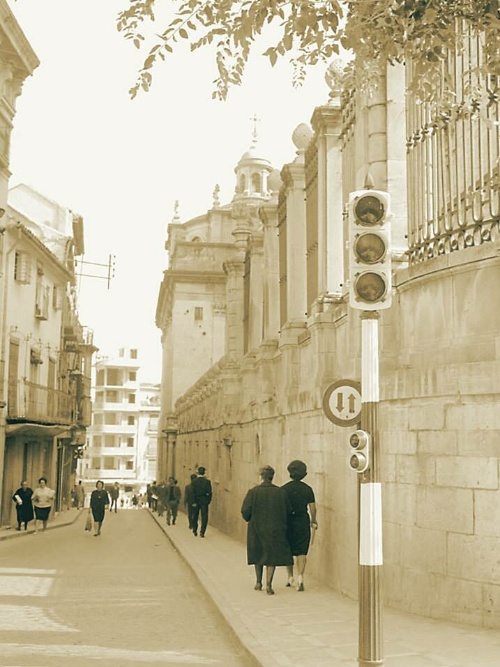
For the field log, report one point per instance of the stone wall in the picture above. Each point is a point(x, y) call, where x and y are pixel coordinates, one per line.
point(439, 432)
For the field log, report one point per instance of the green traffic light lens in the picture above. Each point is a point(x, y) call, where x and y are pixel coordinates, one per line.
point(369, 210)
point(370, 287)
point(370, 248)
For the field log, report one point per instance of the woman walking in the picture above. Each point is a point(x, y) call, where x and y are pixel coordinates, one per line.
point(265, 509)
point(302, 502)
point(42, 502)
point(24, 506)
point(99, 500)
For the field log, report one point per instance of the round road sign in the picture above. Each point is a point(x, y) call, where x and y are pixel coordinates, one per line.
point(342, 402)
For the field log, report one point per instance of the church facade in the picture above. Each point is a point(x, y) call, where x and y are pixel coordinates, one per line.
point(256, 325)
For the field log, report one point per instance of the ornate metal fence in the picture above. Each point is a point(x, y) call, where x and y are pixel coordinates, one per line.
point(453, 159)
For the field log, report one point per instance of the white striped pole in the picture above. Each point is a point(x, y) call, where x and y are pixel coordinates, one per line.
point(370, 503)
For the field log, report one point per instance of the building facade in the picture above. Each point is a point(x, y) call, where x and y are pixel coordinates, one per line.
point(290, 333)
point(123, 427)
point(47, 351)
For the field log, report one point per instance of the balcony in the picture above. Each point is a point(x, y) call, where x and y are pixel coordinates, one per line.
point(101, 473)
point(28, 401)
point(117, 429)
point(119, 452)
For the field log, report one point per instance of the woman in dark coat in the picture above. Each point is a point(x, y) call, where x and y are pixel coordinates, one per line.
point(265, 509)
point(99, 500)
point(24, 507)
point(302, 502)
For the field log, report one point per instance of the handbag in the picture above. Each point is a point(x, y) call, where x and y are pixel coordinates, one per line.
point(88, 522)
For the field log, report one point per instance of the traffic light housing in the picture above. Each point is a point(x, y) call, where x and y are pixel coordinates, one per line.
point(370, 271)
point(359, 451)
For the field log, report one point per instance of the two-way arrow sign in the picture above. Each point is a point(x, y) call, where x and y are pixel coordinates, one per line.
point(342, 402)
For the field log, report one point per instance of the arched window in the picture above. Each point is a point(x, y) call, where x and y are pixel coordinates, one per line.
point(256, 183)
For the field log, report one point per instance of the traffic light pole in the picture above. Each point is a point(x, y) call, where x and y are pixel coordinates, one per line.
point(370, 504)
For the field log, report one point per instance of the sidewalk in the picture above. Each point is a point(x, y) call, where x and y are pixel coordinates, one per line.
point(317, 628)
point(58, 520)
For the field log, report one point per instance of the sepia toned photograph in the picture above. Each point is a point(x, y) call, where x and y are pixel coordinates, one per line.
point(249, 333)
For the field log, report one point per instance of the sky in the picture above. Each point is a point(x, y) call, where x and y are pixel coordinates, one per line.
point(122, 164)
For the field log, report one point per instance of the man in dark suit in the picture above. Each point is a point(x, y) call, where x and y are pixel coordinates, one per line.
point(202, 496)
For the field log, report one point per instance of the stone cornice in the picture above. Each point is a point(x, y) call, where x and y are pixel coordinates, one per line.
point(326, 120)
point(19, 49)
point(293, 175)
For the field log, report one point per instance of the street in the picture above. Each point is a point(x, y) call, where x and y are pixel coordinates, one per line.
point(123, 598)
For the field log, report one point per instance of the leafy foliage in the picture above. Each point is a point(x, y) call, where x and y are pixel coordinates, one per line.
point(312, 31)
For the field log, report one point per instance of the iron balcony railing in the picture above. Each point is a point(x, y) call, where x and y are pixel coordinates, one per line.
point(34, 402)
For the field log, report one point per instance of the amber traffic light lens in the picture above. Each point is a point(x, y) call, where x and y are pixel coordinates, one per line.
point(369, 210)
point(370, 287)
point(370, 248)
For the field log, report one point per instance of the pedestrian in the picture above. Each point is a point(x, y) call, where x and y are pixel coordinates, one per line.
point(79, 493)
point(114, 494)
point(42, 499)
point(189, 502)
point(265, 508)
point(202, 497)
point(135, 500)
point(154, 496)
point(161, 503)
point(99, 499)
point(300, 521)
point(173, 500)
point(24, 506)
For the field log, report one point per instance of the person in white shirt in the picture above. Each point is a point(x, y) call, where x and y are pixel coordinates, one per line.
point(42, 498)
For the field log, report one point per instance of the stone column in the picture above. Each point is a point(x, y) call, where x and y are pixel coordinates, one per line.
point(327, 124)
point(234, 270)
point(271, 321)
point(293, 177)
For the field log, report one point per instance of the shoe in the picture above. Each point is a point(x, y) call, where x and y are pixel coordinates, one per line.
point(300, 587)
point(18, 528)
point(269, 590)
point(290, 582)
point(195, 533)
point(168, 523)
point(258, 586)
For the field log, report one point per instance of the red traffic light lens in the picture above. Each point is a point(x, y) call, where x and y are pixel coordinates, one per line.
point(370, 287)
point(369, 210)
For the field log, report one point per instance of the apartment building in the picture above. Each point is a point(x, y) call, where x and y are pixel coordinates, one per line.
point(122, 438)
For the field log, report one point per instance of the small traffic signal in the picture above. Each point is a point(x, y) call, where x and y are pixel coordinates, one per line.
point(359, 453)
point(370, 272)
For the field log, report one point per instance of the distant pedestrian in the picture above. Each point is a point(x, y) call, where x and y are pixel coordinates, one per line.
point(202, 497)
point(162, 493)
point(265, 508)
point(173, 494)
point(24, 506)
point(114, 495)
point(189, 502)
point(79, 493)
point(42, 499)
point(135, 500)
point(300, 521)
point(99, 500)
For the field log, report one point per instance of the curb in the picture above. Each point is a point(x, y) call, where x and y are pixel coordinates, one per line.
point(12, 533)
point(240, 632)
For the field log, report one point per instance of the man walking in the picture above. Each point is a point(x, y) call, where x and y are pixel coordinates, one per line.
point(173, 500)
point(202, 496)
point(115, 494)
point(189, 501)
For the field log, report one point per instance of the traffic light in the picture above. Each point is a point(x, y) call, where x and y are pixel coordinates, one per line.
point(370, 277)
point(359, 454)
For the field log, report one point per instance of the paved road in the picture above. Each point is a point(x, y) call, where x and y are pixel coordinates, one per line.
point(123, 598)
